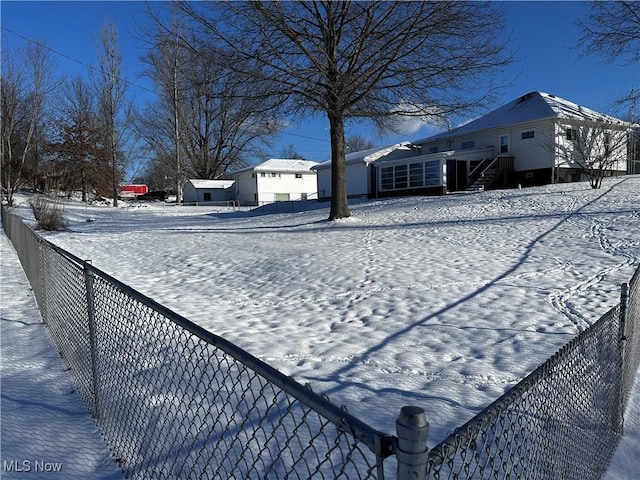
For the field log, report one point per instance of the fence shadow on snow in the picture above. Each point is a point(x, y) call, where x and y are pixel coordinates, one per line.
point(173, 400)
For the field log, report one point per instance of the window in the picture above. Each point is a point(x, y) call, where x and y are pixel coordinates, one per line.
point(468, 144)
point(400, 173)
point(416, 175)
point(274, 174)
point(253, 174)
point(504, 143)
point(298, 175)
point(607, 144)
point(529, 134)
point(207, 196)
point(386, 178)
point(263, 174)
point(572, 133)
point(303, 196)
point(432, 174)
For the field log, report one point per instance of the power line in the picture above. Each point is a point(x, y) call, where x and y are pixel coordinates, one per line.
point(68, 57)
point(128, 82)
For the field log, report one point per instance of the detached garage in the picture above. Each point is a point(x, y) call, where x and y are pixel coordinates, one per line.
point(208, 191)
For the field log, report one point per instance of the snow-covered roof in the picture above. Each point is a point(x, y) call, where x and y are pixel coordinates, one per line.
point(368, 156)
point(283, 165)
point(211, 183)
point(530, 107)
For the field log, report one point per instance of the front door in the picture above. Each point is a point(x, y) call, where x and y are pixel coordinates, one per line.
point(456, 175)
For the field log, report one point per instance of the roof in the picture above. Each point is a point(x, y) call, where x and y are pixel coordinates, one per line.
point(282, 165)
point(530, 107)
point(368, 156)
point(211, 183)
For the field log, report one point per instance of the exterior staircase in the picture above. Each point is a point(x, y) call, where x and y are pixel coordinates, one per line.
point(488, 171)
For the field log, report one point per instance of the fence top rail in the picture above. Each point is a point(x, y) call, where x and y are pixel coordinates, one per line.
point(466, 432)
point(381, 444)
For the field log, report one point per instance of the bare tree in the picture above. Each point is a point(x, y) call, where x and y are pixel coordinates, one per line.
point(116, 113)
point(202, 123)
point(290, 152)
point(78, 150)
point(163, 125)
point(223, 126)
point(359, 60)
point(358, 143)
point(612, 30)
point(26, 83)
point(595, 147)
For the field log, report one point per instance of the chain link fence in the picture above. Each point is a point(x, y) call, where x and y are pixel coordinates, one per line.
point(564, 420)
point(175, 401)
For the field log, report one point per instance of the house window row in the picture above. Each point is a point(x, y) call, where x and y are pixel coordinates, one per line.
point(413, 175)
point(272, 175)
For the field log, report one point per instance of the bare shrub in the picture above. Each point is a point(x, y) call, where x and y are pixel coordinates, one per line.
point(48, 214)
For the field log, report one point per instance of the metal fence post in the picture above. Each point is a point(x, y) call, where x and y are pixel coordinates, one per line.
point(622, 340)
point(624, 306)
point(412, 429)
point(88, 281)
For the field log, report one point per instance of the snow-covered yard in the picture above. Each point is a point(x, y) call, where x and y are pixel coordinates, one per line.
point(440, 302)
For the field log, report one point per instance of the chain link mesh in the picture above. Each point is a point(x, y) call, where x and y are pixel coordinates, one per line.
point(630, 342)
point(562, 421)
point(174, 401)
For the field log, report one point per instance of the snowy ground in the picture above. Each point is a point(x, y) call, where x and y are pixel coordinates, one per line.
point(442, 302)
point(47, 431)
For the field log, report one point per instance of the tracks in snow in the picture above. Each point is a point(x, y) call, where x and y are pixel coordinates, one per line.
point(404, 371)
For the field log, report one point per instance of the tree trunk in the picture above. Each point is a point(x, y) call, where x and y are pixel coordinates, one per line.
point(339, 203)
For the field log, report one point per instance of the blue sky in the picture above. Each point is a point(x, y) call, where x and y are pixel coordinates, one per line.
point(543, 34)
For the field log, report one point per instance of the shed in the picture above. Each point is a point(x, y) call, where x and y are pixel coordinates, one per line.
point(208, 191)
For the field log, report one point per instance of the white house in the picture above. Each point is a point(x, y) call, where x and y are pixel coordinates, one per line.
point(276, 180)
point(529, 141)
point(208, 191)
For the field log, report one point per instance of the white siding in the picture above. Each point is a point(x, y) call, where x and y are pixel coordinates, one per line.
point(533, 153)
point(323, 184)
point(564, 145)
point(357, 180)
point(269, 184)
point(246, 188)
point(530, 153)
point(191, 194)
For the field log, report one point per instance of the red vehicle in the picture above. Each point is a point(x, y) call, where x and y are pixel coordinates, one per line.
point(133, 190)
